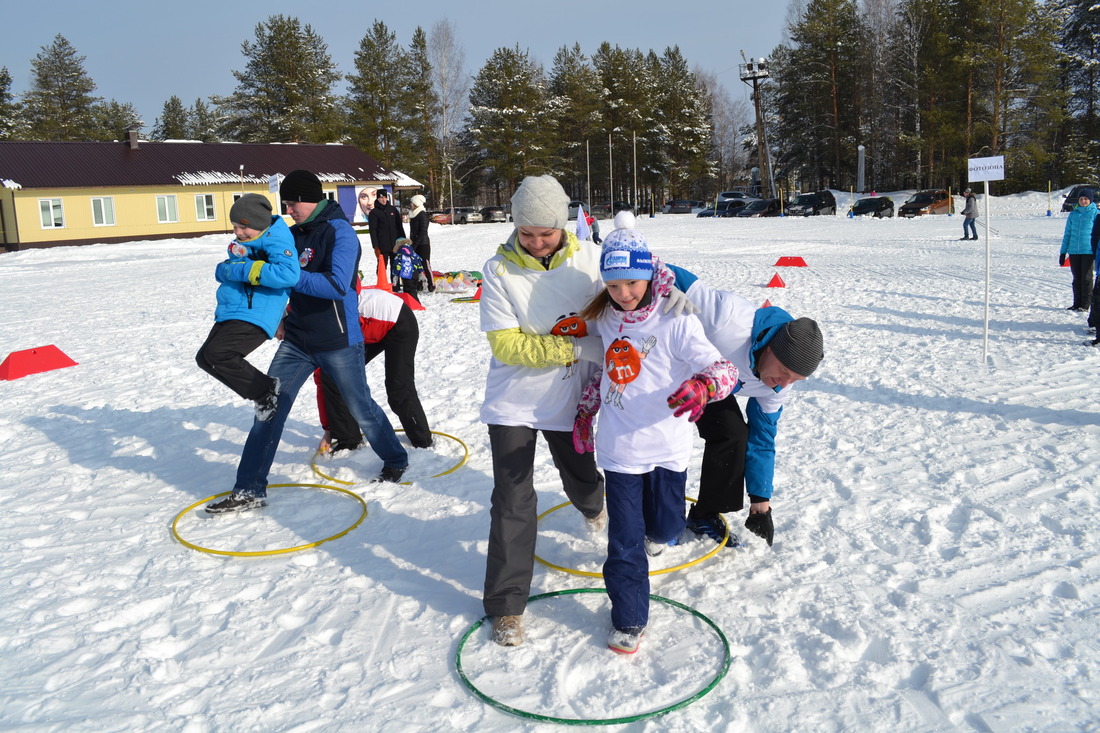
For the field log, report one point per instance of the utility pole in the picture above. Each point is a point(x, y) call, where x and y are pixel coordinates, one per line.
point(752, 71)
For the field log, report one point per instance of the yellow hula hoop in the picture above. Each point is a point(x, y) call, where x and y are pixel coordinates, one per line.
point(260, 553)
point(452, 469)
point(590, 574)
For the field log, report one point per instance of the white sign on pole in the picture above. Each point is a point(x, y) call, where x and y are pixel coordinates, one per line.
point(273, 183)
point(986, 169)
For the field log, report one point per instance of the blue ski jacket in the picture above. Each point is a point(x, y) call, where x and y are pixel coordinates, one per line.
point(256, 281)
point(324, 302)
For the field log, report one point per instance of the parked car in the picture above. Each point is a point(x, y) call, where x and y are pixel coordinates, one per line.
point(727, 208)
point(467, 215)
point(680, 206)
point(607, 210)
point(876, 206)
point(738, 194)
point(760, 207)
point(813, 204)
point(494, 213)
point(440, 217)
point(574, 206)
point(1075, 193)
point(928, 201)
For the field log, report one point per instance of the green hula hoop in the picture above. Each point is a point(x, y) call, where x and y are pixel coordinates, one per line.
point(281, 551)
point(465, 456)
point(662, 571)
point(596, 721)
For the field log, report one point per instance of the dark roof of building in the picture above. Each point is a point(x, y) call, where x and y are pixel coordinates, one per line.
point(25, 164)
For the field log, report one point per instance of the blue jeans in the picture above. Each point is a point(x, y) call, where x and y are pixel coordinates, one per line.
point(292, 366)
point(638, 506)
point(972, 226)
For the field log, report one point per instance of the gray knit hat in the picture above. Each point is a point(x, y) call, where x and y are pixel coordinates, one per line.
point(540, 201)
point(798, 346)
point(251, 210)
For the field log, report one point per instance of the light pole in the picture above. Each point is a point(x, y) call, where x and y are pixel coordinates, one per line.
point(751, 73)
point(451, 186)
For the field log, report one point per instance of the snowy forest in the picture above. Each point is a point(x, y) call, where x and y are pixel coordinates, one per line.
point(923, 85)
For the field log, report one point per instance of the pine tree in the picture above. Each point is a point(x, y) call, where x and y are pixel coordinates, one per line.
point(422, 157)
point(574, 82)
point(285, 92)
point(59, 105)
point(10, 110)
point(375, 94)
point(203, 123)
point(512, 118)
point(174, 122)
point(113, 120)
point(629, 95)
point(683, 125)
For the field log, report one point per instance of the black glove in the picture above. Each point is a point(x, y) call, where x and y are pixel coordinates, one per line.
point(1062, 259)
point(760, 524)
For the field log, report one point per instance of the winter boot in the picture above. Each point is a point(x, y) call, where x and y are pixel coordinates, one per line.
point(266, 405)
point(507, 630)
point(235, 503)
point(625, 641)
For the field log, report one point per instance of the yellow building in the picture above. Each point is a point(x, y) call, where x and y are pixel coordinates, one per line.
point(55, 193)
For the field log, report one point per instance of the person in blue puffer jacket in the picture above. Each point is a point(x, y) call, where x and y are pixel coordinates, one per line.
point(255, 285)
point(772, 351)
point(1079, 243)
point(320, 331)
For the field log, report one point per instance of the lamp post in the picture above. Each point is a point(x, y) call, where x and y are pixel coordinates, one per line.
point(752, 71)
point(451, 186)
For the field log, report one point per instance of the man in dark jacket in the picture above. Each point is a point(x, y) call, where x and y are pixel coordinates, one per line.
point(320, 331)
point(385, 229)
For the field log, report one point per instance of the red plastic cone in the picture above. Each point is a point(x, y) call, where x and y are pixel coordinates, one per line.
point(1066, 263)
point(776, 282)
point(477, 295)
point(790, 262)
point(32, 361)
point(767, 304)
point(383, 277)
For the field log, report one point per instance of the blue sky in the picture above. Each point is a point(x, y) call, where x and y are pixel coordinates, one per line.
point(145, 52)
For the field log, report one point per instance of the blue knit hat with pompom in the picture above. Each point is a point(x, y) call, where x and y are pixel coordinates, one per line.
point(625, 254)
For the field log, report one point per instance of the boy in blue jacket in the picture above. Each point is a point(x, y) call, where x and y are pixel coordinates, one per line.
point(255, 286)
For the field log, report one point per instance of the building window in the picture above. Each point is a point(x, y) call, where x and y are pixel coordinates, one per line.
point(167, 213)
point(204, 207)
point(52, 215)
point(103, 211)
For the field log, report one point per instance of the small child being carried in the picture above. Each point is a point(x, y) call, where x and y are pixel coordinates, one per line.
point(255, 287)
point(658, 368)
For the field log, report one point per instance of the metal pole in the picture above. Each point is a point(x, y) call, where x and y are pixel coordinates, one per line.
point(610, 177)
point(588, 175)
point(988, 267)
point(634, 200)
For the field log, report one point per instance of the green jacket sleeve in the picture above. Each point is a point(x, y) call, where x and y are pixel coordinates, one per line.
point(514, 347)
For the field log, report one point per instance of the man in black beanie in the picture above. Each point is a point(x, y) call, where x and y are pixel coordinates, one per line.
point(385, 229)
point(772, 351)
point(320, 331)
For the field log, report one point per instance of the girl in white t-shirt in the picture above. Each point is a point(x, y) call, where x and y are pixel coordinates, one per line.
point(659, 372)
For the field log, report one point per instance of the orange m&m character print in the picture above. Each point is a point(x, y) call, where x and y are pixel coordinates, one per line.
point(623, 364)
point(570, 325)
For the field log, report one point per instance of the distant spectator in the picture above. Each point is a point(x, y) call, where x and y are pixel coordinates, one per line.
point(385, 229)
point(1079, 242)
point(418, 233)
point(970, 214)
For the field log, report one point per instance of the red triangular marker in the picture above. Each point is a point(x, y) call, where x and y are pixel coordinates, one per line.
point(767, 304)
point(412, 302)
point(1066, 263)
point(790, 262)
point(477, 295)
point(32, 361)
point(776, 282)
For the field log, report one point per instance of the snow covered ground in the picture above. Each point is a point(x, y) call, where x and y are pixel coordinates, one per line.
point(935, 566)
